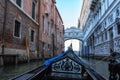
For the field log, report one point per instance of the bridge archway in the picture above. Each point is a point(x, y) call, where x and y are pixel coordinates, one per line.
point(76, 34)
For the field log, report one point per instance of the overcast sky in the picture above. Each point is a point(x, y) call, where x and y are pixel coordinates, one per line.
point(70, 12)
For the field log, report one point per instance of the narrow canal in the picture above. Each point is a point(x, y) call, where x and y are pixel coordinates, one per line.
point(12, 71)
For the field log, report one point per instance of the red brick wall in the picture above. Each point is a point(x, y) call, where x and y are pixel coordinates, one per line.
point(11, 42)
point(15, 13)
point(27, 7)
point(1, 18)
point(52, 15)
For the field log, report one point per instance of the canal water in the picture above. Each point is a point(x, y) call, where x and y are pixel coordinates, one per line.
point(12, 71)
point(99, 66)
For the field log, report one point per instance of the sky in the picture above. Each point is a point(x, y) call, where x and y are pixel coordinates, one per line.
point(70, 12)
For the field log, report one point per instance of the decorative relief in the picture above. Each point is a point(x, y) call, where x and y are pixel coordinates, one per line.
point(66, 65)
point(102, 48)
point(104, 24)
point(110, 19)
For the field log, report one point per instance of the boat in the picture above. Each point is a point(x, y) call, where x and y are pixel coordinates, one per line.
point(66, 66)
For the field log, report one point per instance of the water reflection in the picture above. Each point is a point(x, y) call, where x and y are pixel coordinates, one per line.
point(12, 71)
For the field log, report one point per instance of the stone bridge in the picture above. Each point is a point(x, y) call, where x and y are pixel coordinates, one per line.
point(73, 33)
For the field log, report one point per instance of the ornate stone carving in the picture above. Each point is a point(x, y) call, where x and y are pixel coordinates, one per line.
point(66, 65)
point(110, 19)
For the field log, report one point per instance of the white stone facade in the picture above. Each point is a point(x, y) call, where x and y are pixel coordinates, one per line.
point(102, 28)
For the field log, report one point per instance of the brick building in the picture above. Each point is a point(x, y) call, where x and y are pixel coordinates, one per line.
point(59, 30)
point(26, 28)
point(52, 29)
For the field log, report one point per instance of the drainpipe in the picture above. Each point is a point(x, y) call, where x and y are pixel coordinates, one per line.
point(4, 25)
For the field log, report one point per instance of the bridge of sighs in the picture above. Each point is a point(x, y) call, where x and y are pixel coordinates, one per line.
point(73, 33)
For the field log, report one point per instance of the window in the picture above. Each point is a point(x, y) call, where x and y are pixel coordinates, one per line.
point(105, 35)
point(19, 3)
point(33, 10)
point(95, 40)
point(117, 12)
point(43, 24)
point(32, 35)
point(60, 34)
point(118, 26)
point(52, 23)
point(102, 38)
point(48, 28)
point(105, 24)
point(43, 1)
point(48, 47)
point(51, 10)
point(43, 45)
point(17, 29)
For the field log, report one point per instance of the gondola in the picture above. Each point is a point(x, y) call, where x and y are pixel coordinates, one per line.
point(66, 66)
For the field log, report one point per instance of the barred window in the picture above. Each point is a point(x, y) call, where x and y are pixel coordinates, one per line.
point(118, 26)
point(43, 20)
point(33, 10)
point(32, 35)
point(17, 29)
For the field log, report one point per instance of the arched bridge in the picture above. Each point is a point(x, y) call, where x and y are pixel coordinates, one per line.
point(73, 33)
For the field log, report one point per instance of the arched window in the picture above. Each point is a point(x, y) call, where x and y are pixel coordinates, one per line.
point(117, 12)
